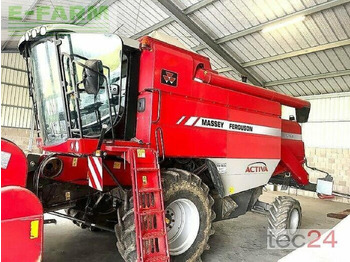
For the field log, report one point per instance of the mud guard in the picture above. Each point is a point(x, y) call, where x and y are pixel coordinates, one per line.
point(21, 210)
point(215, 177)
point(21, 225)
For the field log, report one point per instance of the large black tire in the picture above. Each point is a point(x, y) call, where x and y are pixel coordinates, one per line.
point(125, 232)
point(282, 217)
point(176, 184)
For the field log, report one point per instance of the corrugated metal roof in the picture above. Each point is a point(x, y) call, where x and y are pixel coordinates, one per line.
point(236, 26)
point(129, 17)
point(175, 30)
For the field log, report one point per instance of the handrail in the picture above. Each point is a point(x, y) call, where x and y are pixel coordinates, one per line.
point(159, 102)
point(160, 131)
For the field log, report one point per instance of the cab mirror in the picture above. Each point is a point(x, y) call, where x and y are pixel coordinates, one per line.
point(93, 76)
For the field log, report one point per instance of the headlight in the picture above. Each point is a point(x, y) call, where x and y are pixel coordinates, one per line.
point(34, 33)
point(43, 30)
point(72, 145)
point(77, 146)
point(27, 36)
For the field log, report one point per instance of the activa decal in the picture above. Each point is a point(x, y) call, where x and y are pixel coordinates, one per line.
point(257, 167)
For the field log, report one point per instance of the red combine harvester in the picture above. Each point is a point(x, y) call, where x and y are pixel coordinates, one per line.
point(144, 139)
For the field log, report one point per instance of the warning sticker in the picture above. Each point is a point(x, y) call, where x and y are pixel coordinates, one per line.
point(141, 153)
point(231, 190)
point(34, 229)
point(117, 165)
point(5, 159)
point(221, 168)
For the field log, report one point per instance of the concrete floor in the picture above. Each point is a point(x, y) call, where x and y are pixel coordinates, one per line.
point(240, 239)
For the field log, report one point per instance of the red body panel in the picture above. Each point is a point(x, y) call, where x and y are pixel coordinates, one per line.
point(15, 173)
point(190, 98)
point(213, 78)
point(19, 207)
point(293, 154)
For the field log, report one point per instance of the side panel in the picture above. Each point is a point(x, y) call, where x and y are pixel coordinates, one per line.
point(239, 175)
point(198, 119)
point(13, 165)
point(21, 228)
point(77, 170)
point(292, 152)
point(193, 128)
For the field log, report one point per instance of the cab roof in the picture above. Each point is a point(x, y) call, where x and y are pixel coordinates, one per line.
point(40, 31)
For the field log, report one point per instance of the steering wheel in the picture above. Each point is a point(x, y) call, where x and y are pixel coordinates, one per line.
point(91, 108)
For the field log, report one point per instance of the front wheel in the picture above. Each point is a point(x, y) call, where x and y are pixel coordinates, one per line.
point(188, 214)
point(188, 217)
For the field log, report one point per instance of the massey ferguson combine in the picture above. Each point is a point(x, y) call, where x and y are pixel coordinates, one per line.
point(144, 139)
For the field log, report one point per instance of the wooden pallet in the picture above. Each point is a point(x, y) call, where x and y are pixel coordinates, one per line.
point(339, 215)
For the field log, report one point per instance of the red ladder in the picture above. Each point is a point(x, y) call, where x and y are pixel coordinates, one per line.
point(150, 227)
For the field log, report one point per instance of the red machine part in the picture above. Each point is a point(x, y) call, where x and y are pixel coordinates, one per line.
point(211, 77)
point(21, 225)
point(151, 237)
point(169, 110)
point(21, 210)
point(13, 165)
point(292, 153)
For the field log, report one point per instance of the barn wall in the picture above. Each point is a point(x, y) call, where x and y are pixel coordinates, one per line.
point(16, 112)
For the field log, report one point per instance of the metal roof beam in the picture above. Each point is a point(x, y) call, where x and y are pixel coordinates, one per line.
point(297, 53)
point(12, 84)
point(308, 78)
point(189, 10)
point(224, 69)
point(322, 96)
point(309, 11)
point(193, 8)
point(77, 20)
point(13, 68)
point(9, 50)
point(186, 22)
point(107, 3)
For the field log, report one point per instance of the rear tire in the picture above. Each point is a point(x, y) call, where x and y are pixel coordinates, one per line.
point(284, 217)
point(179, 188)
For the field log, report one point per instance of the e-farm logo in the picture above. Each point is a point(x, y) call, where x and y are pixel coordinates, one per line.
point(20, 20)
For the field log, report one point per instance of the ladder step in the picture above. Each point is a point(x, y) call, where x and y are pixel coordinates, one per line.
point(153, 235)
point(151, 212)
point(152, 238)
point(149, 190)
point(147, 169)
point(157, 259)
